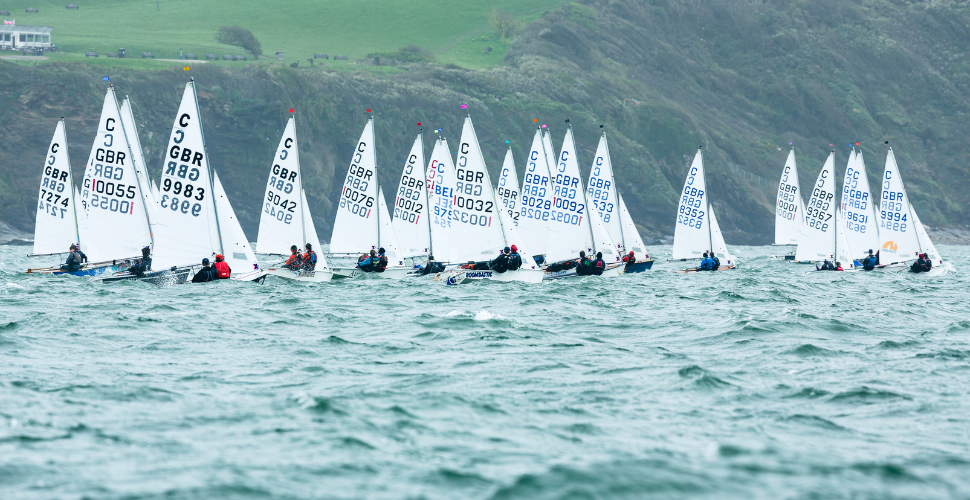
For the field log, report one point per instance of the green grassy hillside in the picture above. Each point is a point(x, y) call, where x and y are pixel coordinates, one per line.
point(457, 31)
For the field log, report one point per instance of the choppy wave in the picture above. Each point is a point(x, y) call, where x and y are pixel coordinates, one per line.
point(762, 382)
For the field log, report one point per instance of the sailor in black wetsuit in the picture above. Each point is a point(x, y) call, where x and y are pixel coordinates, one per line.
point(142, 265)
point(585, 266)
point(501, 263)
point(75, 260)
point(207, 273)
point(826, 266)
point(515, 260)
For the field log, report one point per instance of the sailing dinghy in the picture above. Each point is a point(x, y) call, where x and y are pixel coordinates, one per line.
point(902, 236)
point(574, 227)
point(535, 207)
point(816, 242)
point(603, 195)
point(697, 230)
point(358, 226)
point(285, 218)
point(789, 208)
point(480, 225)
point(194, 217)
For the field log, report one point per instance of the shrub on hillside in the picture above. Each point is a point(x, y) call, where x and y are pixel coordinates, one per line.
point(240, 37)
point(504, 23)
point(409, 54)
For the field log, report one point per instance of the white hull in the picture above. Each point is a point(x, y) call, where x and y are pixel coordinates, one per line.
point(391, 273)
point(315, 276)
point(455, 276)
point(257, 275)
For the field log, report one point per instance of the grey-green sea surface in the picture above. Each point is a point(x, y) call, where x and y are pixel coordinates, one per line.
point(764, 382)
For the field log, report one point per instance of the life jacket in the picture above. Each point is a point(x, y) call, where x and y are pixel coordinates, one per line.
point(839, 268)
point(515, 261)
point(310, 260)
point(381, 263)
point(500, 264)
point(869, 263)
point(629, 259)
point(599, 265)
point(715, 263)
point(222, 270)
point(294, 260)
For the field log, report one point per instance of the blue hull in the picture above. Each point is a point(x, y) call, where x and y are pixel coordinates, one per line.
point(638, 267)
point(97, 271)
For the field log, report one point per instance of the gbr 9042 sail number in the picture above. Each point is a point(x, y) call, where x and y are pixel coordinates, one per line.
point(282, 180)
point(181, 195)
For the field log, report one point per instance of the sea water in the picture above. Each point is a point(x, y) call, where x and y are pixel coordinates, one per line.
point(763, 382)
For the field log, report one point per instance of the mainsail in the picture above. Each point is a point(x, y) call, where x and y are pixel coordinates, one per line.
point(601, 190)
point(281, 220)
point(692, 236)
point(717, 243)
point(537, 194)
point(186, 228)
point(117, 225)
point(508, 188)
point(817, 239)
point(475, 229)
point(897, 233)
point(570, 219)
point(858, 209)
point(789, 209)
point(355, 228)
point(441, 174)
point(56, 225)
point(411, 222)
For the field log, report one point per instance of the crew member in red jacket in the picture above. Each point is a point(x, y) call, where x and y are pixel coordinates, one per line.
point(222, 268)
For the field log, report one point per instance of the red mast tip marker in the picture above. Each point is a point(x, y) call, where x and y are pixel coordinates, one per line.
point(368, 111)
point(291, 110)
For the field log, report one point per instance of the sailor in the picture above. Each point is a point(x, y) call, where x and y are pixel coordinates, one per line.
point(515, 260)
point(922, 265)
point(75, 259)
point(501, 263)
point(309, 258)
point(715, 262)
point(584, 266)
point(431, 267)
point(826, 266)
point(629, 258)
point(838, 266)
point(142, 265)
point(207, 273)
point(381, 261)
point(295, 260)
point(367, 263)
point(223, 271)
point(869, 263)
point(599, 265)
point(706, 263)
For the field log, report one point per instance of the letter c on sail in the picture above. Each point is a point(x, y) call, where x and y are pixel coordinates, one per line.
point(107, 124)
point(288, 142)
point(184, 120)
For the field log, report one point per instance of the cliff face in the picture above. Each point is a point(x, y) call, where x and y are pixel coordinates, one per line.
point(741, 78)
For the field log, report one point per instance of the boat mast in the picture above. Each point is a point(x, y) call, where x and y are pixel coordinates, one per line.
point(710, 225)
point(208, 165)
point(70, 176)
point(427, 215)
point(299, 179)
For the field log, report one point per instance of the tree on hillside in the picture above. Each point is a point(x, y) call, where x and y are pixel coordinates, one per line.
point(240, 37)
point(503, 22)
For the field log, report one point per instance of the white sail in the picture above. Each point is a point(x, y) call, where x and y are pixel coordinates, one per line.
point(411, 222)
point(692, 236)
point(858, 207)
point(718, 245)
point(186, 227)
point(601, 190)
point(56, 226)
point(475, 229)
point(355, 226)
point(387, 239)
point(311, 233)
point(601, 241)
point(631, 236)
point(440, 176)
point(570, 218)
point(536, 199)
point(514, 237)
point(80, 208)
point(281, 222)
point(508, 188)
point(897, 234)
point(843, 250)
point(138, 158)
point(817, 239)
point(925, 243)
point(117, 225)
point(789, 209)
point(235, 246)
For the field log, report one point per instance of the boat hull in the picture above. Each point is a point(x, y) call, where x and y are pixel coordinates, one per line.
point(612, 270)
point(391, 273)
point(456, 276)
point(722, 268)
point(638, 267)
point(315, 276)
point(89, 271)
point(162, 278)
